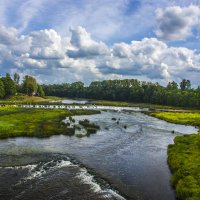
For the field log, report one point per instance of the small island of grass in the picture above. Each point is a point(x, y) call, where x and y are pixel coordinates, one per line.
point(15, 121)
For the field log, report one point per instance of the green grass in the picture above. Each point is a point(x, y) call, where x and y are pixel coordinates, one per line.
point(128, 104)
point(23, 99)
point(179, 117)
point(35, 122)
point(91, 128)
point(184, 162)
point(53, 98)
point(184, 156)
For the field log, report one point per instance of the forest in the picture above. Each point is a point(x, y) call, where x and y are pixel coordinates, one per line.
point(11, 86)
point(130, 90)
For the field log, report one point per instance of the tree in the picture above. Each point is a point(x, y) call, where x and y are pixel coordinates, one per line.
point(16, 78)
point(29, 85)
point(40, 91)
point(172, 85)
point(130, 90)
point(185, 84)
point(2, 90)
point(9, 85)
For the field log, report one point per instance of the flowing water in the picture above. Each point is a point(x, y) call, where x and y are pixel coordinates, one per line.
point(71, 101)
point(117, 162)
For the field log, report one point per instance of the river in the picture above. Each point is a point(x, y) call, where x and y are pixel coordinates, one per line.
point(114, 163)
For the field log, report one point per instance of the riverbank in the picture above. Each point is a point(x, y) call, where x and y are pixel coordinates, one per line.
point(184, 156)
point(15, 121)
point(185, 118)
point(24, 99)
point(140, 105)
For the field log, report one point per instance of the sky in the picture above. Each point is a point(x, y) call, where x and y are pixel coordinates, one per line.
point(86, 40)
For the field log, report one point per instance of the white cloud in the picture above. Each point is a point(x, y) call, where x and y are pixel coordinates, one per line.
point(47, 44)
point(84, 45)
point(177, 23)
point(8, 36)
point(54, 58)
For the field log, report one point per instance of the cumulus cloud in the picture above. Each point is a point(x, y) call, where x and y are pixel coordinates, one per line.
point(47, 44)
point(53, 58)
point(177, 23)
point(84, 45)
point(8, 36)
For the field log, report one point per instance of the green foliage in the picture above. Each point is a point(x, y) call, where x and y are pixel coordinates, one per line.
point(40, 91)
point(9, 85)
point(2, 90)
point(91, 128)
point(130, 90)
point(22, 99)
point(29, 85)
point(86, 124)
point(16, 78)
point(185, 84)
point(184, 162)
point(172, 86)
point(16, 121)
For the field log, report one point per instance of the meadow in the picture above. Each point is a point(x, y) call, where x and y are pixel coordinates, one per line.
point(16, 121)
point(24, 99)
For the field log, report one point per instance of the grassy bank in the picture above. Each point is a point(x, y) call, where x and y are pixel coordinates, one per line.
point(184, 156)
point(22, 99)
point(35, 122)
point(184, 162)
point(128, 104)
point(192, 118)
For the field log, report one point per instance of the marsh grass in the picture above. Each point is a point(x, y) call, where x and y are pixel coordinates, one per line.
point(184, 162)
point(16, 121)
point(91, 128)
point(129, 104)
point(184, 156)
point(179, 117)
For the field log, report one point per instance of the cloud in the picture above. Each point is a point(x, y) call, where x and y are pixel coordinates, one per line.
point(47, 44)
point(126, 20)
point(177, 23)
point(84, 45)
point(8, 36)
point(53, 58)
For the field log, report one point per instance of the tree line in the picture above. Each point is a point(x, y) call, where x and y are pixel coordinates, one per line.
point(11, 86)
point(130, 90)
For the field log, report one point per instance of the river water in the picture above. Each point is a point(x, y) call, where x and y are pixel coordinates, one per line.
point(74, 101)
point(114, 163)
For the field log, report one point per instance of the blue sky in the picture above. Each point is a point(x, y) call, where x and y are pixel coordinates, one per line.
point(86, 40)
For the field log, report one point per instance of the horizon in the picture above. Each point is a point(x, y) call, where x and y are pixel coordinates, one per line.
point(87, 41)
